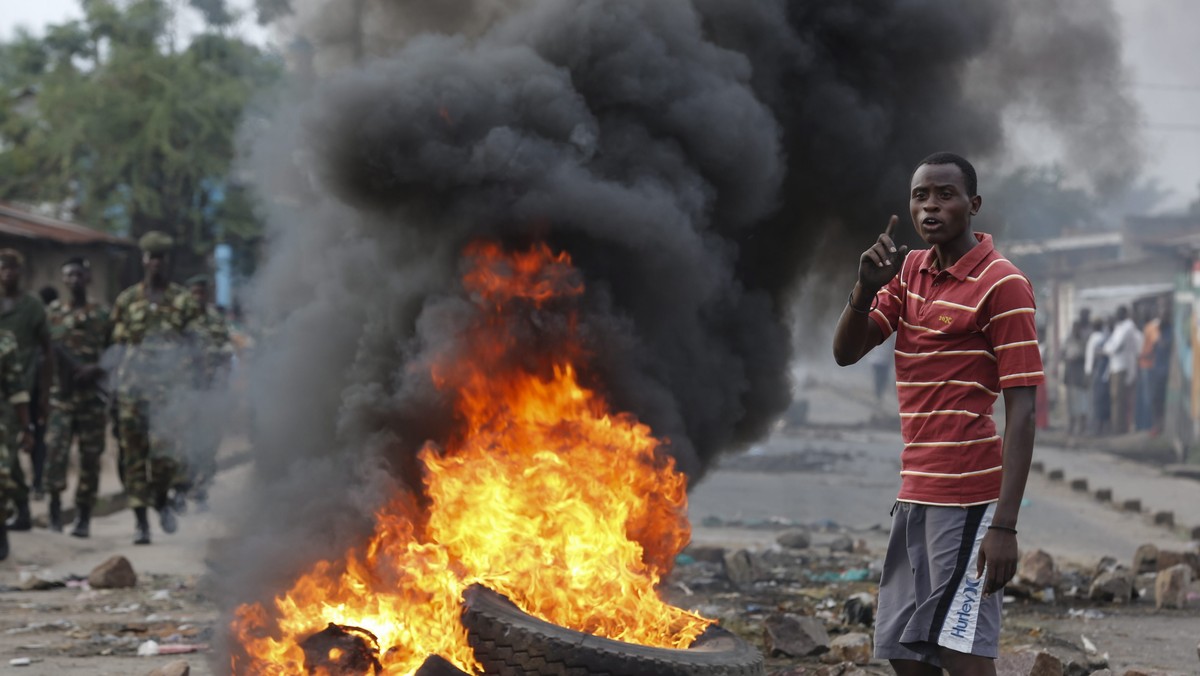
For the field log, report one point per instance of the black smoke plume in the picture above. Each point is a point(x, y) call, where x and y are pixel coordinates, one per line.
point(694, 157)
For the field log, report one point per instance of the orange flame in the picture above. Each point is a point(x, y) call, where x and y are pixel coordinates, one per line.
point(543, 494)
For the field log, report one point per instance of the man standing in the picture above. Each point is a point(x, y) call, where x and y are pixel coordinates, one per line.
point(79, 331)
point(16, 397)
point(150, 323)
point(25, 316)
point(1075, 379)
point(1122, 348)
point(964, 319)
point(213, 353)
point(1095, 368)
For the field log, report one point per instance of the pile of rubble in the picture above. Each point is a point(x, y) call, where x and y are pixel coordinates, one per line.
point(810, 608)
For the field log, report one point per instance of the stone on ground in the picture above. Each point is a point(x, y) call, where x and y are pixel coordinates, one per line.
point(1171, 586)
point(1115, 586)
point(794, 636)
point(1145, 559)
point(853, 647)
point(115, 573)
point(1028, 664)
point(742, 567)
point(795, 539)
point(1037, 568)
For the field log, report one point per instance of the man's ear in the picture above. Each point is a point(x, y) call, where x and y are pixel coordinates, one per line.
point(976, 203)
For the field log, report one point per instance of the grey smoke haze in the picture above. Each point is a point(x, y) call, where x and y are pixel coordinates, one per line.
point(695, 158)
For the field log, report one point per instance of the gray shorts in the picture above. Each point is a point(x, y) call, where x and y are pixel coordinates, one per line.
point(929, 597)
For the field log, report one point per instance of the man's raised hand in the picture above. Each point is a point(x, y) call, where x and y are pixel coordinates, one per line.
point(882, 261)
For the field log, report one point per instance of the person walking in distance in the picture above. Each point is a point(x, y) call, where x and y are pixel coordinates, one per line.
point(80, 332)
point(1122, 348)
point(213, 354)
point(150, 323)
point(963, 316)
point(24, 315)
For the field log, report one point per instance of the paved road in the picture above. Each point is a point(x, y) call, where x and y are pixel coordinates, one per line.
point(853, 477)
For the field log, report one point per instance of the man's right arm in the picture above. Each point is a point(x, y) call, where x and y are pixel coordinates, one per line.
point(856, 332)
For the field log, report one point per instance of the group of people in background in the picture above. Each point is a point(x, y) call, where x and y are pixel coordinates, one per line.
point(70, 365)
point(1115, 371)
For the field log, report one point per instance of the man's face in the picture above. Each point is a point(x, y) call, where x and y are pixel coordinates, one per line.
point(154, 263)
point(939, 204)
point(200, 293)
point(75, 278)
point(10, 275)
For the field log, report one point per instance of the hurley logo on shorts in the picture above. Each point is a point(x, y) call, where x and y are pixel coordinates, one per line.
point(970, 595)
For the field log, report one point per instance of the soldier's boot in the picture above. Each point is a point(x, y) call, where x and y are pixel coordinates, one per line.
point(83, 522)
point(3, 540)
point(55, 512)
point(141, 532)
point(166, 516)
point(21, 521)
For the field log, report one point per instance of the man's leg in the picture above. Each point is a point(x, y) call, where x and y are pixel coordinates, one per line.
point(89, 426)
point(58, 449)
point(914, 668)
point(962, 664)
point(135, 461)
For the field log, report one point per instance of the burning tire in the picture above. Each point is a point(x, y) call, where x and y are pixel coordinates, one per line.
point(509, 642)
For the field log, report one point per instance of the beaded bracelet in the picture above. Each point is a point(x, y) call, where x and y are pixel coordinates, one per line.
point(850, 302)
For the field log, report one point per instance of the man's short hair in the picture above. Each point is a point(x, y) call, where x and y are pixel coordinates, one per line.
point(958, 161)
point(12, 257)
point(78, 260)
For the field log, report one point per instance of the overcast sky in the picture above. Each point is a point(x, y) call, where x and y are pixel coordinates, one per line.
point(1161, 51)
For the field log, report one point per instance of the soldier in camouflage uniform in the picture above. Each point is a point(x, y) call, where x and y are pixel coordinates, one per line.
point(79, 330)
point(150, 324)
point(213, 355)
point(24, 315)
point(15, 393)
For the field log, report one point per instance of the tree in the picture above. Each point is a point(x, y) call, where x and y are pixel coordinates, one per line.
point(109, 117)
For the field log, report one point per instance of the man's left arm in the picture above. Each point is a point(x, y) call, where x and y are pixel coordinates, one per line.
point(999, 548)
point(1011, 330)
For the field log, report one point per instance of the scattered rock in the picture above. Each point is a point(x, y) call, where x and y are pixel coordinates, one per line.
point(1168, 559)
point(794, 636)
point(176, 668)
point(1055, 475)
point(859, 609)
point(1073, 668)
point(1102, 672)
point(1080, 485)
point(1132, 505)
point(1136, 672)
point(843, 669)
point(1164, 518)
point(842, 543)
point(1038, 569)
point(1114, 586)
point(1103, 495)
point(1171, 586)
point(115, 573)
point(742, 567)
point(706, 553)
point(795, 539)
point(1028, 664)
point(1145, 559)
point(1037, 466)
point(853, 647)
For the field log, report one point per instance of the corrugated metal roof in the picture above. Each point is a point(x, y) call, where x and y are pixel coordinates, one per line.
point(21, 223)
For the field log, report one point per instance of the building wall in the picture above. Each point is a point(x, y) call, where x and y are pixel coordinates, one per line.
point(113, 266)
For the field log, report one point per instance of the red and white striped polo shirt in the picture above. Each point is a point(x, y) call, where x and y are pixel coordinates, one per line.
point(963, 335)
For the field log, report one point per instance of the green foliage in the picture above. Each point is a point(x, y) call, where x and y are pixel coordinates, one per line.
point(138, 133)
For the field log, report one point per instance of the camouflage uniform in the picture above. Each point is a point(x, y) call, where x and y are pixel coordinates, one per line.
point(14, 388)
point(26, 322)
point(214, 352)
point(80, 336)
point(153, 335)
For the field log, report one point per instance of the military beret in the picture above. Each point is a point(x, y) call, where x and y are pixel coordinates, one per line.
point(196, 280)
point(156, 242)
